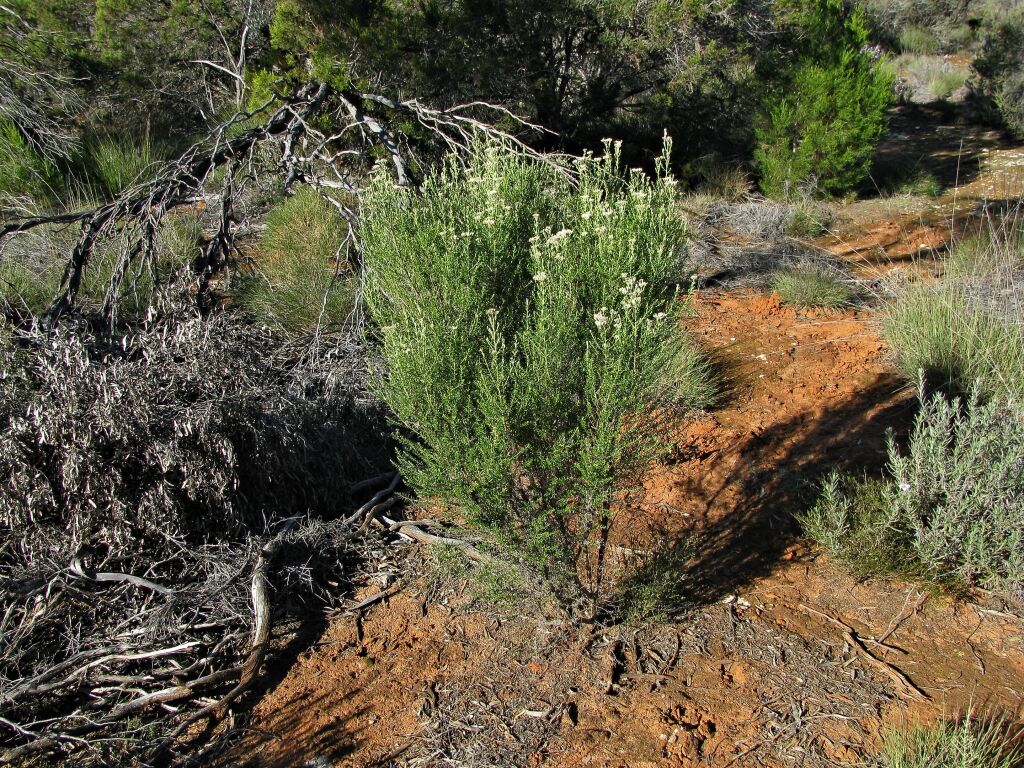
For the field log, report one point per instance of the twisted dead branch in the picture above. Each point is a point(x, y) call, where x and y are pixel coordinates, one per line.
point(139, 589)
point(288, 144)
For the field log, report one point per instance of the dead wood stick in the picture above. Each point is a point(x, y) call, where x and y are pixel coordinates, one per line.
point(378, 497)
point(414, 532)
point(372, 599)
point(168, 695)
point(249, 670)
point(79, 572)
point(160, 653)
point(903, 616)
point(29, 686)
point(903, 682)
point(371, 482)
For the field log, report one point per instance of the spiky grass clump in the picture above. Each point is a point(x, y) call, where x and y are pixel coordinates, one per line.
point(920, 184)
point(929, 77)
point(990, 743)
point(996, 251)
point(112, 164)
point(812, 287)
point(299, 281)
point(918, 40)
point(807, 219)
point(530, 331)
point(948, 332)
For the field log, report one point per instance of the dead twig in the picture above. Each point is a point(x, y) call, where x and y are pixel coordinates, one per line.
point(903, 615)
point(903, 683)
point(412, 529)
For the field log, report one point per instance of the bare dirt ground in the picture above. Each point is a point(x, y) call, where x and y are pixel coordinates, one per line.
point(782, 658)
point(777, 656)
point(979, 174)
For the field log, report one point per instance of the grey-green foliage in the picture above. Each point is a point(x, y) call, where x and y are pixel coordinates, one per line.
point(960, 489)
point(951, 507)
point(970, 743)
point(527, 325)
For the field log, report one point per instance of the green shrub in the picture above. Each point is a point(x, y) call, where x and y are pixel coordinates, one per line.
point(655, 589)
point(819, 129)
point(823, 130)
point(919, 40)
point(25, 178)
point(951, 509)
point(299, 282)
point(812, 287)
point(960, 38)
point(529, 333)
point(949, 333)
point(990, 743)
point(853, 521)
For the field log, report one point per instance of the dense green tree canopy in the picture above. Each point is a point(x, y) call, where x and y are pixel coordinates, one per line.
point(582, 69)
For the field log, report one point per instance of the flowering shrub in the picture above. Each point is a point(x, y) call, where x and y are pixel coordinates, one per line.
point(528, 326)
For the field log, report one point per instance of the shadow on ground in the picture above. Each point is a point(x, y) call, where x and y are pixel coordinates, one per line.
point(929, 141)
point(749, 525)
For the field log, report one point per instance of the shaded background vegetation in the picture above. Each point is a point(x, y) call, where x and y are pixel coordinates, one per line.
point(173, 441)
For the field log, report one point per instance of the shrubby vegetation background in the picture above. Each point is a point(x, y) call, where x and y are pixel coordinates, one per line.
point(503, 328)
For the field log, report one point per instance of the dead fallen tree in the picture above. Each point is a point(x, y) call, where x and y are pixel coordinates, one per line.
point(288, 143)
point(171, 501)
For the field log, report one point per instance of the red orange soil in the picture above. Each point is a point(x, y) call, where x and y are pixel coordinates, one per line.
point(761, 670)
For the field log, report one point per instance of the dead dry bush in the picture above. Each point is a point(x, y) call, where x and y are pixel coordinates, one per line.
point(169, 496)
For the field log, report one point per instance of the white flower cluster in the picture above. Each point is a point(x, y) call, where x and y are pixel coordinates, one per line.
point(559, 236)
point(632, 291)
point(607, 315)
